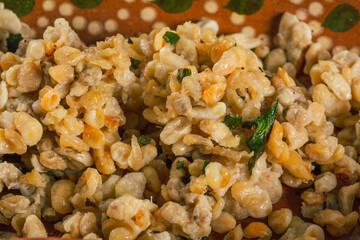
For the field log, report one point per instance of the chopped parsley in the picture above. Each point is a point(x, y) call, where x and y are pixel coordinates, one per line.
point(242, 97)
point(268, 77)
point(232, 121)
point(257, 142)
point(186, 177)
point(171, 37)
point(199, 106)
point(261, 69)
point(13, 41)
point(144, 140)
point(183, 72)
point(235, 45)
point(135, 63)
point(210, 195)
point(207, 161)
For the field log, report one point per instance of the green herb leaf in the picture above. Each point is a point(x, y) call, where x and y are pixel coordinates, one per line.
point(311, 141)
point(317, 169)
point(342, 18)
point(183, 72)
point(235, 45)
point(257, 142)
point(171, 37)
point(207, 161)
point(135, 63)
point(268, 77)
point(174, 6)
point(19, 7)
point(210, 195)
point(199, 106)
point(13, 41)
point(85, 4)
point(144, 140)
point(205, 238)
point(244, 7)
point(232, 121)
point(186, 177)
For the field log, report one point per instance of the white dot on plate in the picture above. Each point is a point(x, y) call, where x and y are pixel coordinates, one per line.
point(237, 19)
point(301, 14)
point(248, 30)
point(66, 9)
point(129, 1)
point(355, 49)
point(315, 27)
point(111, 25)
point(33, 33)
point(325, 41)
point(95, 28)
point(49, 5)
point(148, 14)
point(158, 25)
point(123, 14)
point(79, 23)
point(316, 9)
point(296, 1)
point(42, 22)
point(211, 6)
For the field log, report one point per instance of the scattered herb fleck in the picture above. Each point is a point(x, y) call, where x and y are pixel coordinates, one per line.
point(199, 106)
point(232, 121)
point(174, 6)
point(135, 63)
point(13, 41)
point(210, 195)
point(242, 97)
point(171, 37)
point(186, 177)
point(205, 238)
point(342, 18)
point(261, 69)
point(130, 41)
point(144, 140)
point(244, 7)
point(207, 161)
point(56, 173)
point(268, 77)
point(257, 142)
point(183, 72)
point(311, 141)
point(235, 45)
point(86, 4)
point(285, 110)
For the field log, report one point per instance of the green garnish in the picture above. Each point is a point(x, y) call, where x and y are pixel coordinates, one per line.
point(13, 41)
point(207, 161)
point(244, 7)
point(135, 63)
point(268, 76)
point(199, 106)
point(171, 37)
point(311, 141)
point(205, 238)
point(235, 45)
point(232, 121)
point(210, 195)
point(257, 142)
point(173, 6)
point(86, 4)
point(19, 7)
point(186, 177)
point(144, 140)
point(242, 97)
point(342, 18)
point(183, 72)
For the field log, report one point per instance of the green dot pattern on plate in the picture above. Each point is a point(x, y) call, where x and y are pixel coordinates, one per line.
point(174, 6)
point(244, 7)
point(342, 18)
point(19, 7)
point(85, 4)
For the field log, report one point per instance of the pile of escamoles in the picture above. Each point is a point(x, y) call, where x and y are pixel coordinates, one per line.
point(176, 133)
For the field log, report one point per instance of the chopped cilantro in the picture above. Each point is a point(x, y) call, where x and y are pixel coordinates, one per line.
point(257, 142)
point(13, 41)
point(171, 37)
point(242, 97)
point(183, 72)
point(186, 177)
point(232, 121)
point(210, 195)
point(207, 161)
point(235, 45)
point(144, 140)
point(199, 106)
point(205, 238)
point(135, 63)
point(268, 77)
point(261, 69)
